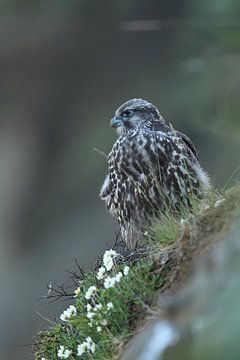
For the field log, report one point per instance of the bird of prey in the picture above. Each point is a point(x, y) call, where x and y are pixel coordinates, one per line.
point(152, 169)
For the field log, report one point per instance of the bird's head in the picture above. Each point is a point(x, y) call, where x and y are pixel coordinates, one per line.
point(134, 114)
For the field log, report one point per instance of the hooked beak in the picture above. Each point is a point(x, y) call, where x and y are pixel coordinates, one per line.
point(115, 122)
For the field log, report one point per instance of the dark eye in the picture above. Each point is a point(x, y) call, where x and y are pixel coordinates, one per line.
point(128, 113)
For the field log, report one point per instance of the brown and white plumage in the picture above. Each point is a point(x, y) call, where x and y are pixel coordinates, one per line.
point(151, 168)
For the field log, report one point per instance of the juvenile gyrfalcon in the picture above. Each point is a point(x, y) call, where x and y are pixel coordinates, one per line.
point(151, 169)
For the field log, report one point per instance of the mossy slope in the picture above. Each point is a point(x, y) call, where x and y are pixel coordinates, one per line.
point(172, 247)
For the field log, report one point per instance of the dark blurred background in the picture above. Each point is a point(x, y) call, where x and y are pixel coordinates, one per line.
point(65, 67)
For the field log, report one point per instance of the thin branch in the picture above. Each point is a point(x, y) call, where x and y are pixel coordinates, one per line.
point(100, 152)
point(44, 318)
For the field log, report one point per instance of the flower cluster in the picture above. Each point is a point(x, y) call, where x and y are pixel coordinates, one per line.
point(97, 313)
point(91, 290)
point(101, 272)
point(108, 257)
point(69, 313)
point(110, 282)
point(86, 346)
point(64, 353)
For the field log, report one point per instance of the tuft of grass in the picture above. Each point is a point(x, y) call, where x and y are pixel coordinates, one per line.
point(164, 232)
point(167, 228)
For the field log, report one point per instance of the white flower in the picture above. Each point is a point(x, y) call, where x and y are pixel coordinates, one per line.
point(126, 270)
point(110, 305)
point(90, 345)
point(111, 253)
point(90, 315)
point(91, 290)
point(81, 349)
point(60, 351)
point(101, 272)
point(64, 353)
point(89, 307)
point(118, 277)
point(108, 263)
point(64, 316)
point(98, 307)
point(108, 257)
point(67, 314)
point(109, 282)
point(72, 310)
point(99, 328)
point(88, 340)
point(67, 353)
point(219, 202)
point(104, 322)
point(77, 292)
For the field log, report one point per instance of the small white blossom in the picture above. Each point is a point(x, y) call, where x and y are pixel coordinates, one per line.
point(88, 340)
point(92, 347)
point(104, 322)
point(98, 307)
point(64, 316)
point(108, 257)
point(67, 353)
point(90, 344)
point(90, 315)
point(111, 252)
point(126, 270)
point(118, 277)
point(77, 292)
point(99, 328)
point(81, 349)
point(64, 353)
point(72, 310)
point(89, 307)
point(110, 305)
point(108, 263)
point(218, 202)
point(91, 290)
point(101, 272)
point(67, 314)
point(109, 282)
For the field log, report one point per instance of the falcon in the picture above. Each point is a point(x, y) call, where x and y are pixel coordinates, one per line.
point(152, 170)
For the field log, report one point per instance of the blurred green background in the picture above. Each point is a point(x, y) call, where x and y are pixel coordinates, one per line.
point(65, 67)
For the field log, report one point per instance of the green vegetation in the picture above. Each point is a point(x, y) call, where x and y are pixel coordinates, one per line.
point(108, 315)
point(110, 303)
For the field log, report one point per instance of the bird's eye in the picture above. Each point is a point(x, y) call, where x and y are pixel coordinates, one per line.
point(128, 113)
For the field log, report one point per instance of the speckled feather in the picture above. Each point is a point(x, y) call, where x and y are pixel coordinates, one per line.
point(151, 168)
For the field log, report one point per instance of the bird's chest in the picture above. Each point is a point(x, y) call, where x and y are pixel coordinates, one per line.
point(124, 167)
point(124, 151)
